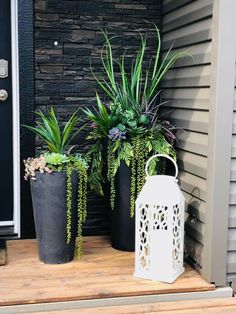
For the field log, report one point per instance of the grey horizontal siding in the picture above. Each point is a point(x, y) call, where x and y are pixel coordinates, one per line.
point(231, 266)
point(194, 250)
point(192, 34)
point(193, 184)
point(233, 148)
point(191, 98)
point(171, 5)
point(193, 12)
point(186, 88)
point(191, 120)
point(193, 142)
point(195, 207)
point(188, 77)
point(232, 193)
point(192, 163)
point(232, 216)
point(195, 229)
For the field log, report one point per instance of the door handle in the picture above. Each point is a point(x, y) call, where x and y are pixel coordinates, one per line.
point(3, 95)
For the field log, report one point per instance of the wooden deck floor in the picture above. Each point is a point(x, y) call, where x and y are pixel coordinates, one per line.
point(216, 306)
point(101, 273)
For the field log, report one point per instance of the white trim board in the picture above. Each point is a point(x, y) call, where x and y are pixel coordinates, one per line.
point(15, 115)
point(226, 292)
point(7, 223)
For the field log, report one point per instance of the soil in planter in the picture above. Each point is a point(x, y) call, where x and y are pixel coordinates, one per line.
point(49, 199)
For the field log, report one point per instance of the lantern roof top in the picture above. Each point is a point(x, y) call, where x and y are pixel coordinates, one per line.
point(160, 190)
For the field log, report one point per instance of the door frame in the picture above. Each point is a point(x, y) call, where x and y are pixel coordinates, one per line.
point(15, 120)
point(16, 116)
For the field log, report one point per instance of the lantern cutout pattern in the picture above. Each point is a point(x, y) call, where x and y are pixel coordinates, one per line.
point(159, 227)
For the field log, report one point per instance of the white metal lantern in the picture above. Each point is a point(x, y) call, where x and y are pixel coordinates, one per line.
point(159, 227)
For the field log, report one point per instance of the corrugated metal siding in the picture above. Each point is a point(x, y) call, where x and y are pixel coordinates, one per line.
point(231, 256)
point(189, 25)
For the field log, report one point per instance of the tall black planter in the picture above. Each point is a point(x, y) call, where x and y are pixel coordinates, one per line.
point(122, 225)
point(50, 215)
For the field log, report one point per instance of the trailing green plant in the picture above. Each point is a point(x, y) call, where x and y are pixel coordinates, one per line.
point(59, 159)
point(135, 154)
point(130, 122)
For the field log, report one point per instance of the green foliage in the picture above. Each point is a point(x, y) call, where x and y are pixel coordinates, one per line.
point(79, 165)
point(135, 155)
point(69, 201)
point(131, 123)
point(111, 172)
point(95, 178)
point(48, 129)
point(102, 120)
point(132, 93)
point(56, 159)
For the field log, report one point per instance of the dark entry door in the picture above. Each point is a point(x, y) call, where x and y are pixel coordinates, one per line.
point(6, 122)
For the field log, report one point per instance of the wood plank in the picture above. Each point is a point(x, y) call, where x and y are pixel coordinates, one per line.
point(224, 305)
point(102, 272)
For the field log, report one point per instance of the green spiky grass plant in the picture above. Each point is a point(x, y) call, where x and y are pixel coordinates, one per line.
point(48, 129)
point(135, 89)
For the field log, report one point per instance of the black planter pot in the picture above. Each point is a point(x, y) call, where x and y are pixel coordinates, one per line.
point(50, 215)
point(122, 225)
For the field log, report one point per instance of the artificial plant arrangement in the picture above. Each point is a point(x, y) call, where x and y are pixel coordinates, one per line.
point(131, 125)
point(58, 182)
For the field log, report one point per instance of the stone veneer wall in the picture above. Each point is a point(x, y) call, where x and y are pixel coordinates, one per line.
point(62, 72)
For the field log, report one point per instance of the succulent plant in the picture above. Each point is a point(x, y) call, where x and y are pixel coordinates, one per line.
point(35, 164)
point(116, 134)
point(56, 159)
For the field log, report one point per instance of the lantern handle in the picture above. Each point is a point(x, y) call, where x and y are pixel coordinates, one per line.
point(165, 156)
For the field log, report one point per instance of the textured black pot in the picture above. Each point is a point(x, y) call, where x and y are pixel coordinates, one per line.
point(50, 215)
point(122, 225)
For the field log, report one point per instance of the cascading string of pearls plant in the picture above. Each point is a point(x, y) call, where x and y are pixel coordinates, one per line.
point(137, 157)
point(81, 168)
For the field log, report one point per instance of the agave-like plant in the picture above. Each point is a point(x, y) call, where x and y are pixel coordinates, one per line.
point(48, 129)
